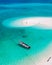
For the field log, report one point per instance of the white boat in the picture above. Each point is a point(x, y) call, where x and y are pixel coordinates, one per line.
point(24, 45)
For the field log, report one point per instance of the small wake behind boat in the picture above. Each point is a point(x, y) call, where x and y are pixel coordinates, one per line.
point(24, 45)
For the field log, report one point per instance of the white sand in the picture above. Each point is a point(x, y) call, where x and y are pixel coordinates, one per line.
point(24, 22)
point(44, 56)
point(40, 22)
point(39, 59)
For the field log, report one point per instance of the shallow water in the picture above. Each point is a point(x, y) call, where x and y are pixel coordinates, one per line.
point(38, 39)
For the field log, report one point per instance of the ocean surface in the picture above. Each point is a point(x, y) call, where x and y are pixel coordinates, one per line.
point(37, 39)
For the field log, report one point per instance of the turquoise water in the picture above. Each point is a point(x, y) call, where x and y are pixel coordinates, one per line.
point(38, 39)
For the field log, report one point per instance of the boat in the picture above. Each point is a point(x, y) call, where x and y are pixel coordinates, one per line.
point(24, 45)
point(48, 59)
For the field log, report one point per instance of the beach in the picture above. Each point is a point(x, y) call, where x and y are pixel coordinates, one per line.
point(43, 58)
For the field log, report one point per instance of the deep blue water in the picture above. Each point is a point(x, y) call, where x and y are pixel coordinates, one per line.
point(25, 1)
